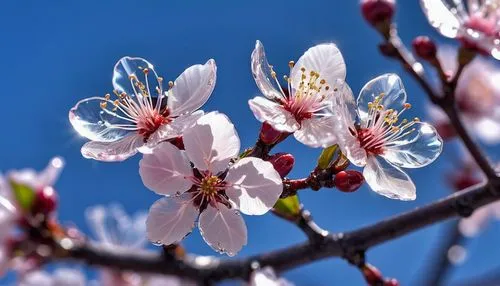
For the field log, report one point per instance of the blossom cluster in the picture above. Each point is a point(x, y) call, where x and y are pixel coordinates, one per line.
point(193, 159)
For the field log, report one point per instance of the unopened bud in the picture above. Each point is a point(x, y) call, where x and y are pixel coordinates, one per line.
point(45, 201)
point(378, 11)
point(282, 163)
point(177, 142)
point(391, 282)
point(268, 134)
point(348, 181)
point(425, 48)
point(372, 275)
point(445, 130)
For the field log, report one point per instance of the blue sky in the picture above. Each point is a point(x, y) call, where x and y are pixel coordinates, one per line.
point(55, 53)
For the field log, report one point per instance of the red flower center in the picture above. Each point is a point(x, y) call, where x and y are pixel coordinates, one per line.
point(148, 125)
point(369, 142)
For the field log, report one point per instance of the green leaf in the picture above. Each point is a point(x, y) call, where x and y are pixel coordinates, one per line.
point(288, 207)
point(326, 156)
point(25, 195)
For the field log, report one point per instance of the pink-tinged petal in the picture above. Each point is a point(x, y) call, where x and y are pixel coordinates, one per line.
point(50, 174)
point(36, 278)
point(223, 229)
point(211, 142)
point(128, 67)
point(473, 225)
point(273, 113)
point(351, 148)
point(417, 149)
point(261, 71)
point(92, 121)
point(68, 277)
point(324, 59)
point(192, 88)
point(389, 86)
point(267, 277)
point(166, 171)
point(173, 129)
point(254, 186)
point(388, 180)
point(317, 132)
point(487, 129)
point(113, 151)
point(171, 219)
point(446, 16)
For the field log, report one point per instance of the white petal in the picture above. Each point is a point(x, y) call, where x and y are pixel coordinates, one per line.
point(68, 277)
point(211, 142)
point(113, 151)
point(488, 129)
point(388, 180)
point(91, 121)
point(417, 149)
point(254, 186)
point(273, 113)
point(192, 88)
point(351, 148)
point(324, 59)
point(446, 17)
point(261, 71)
point(130, 66)
point(50, 174)
point(223, 229)
point(36, 278)
point(267, 277)
point(390, 85)
point(174, 128)
point(171, 219)
point(317, 132)
point(166, 171)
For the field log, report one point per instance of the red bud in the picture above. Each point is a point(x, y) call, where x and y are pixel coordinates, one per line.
point(268, 134)
point(348, 181)
point(45, 201)
point(425, 48)
point(282, 162)
point(445, 130)
point(372, 274)
point(378, 11)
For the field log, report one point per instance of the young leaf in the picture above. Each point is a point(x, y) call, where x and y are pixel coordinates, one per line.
point(326, 156)
point(288, 208)
point(25, 195)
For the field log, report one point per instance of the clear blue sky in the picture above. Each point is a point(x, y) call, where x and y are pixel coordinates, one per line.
point(57, 52)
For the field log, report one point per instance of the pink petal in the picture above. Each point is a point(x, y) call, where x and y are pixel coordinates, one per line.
point(442, 17)
point(273, 113)
point(388, 180)
point(113, 151)
point(36, 278)
point(212, 142)
point(192, 88)
point(317, 132)
point(261, 71)
point(473, 225)
point(174, 128)
point(254, 186)
point(50, 174)
point(166, 171)
point(223, 229)
point(324, 59)
point(171, 219)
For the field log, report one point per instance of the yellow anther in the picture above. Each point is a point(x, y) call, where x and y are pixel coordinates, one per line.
point(327, 87)
point(116, 102)
point(416, 119)
point(145, 71)
point(407, 106)
point(303, 69)
point(312, 73)
point(107, 96)
point(160, 79)
point(103, 104)
point(273, 74)
point(291, 64)
point(132, 76)
point(322, 81)
point(170, 84)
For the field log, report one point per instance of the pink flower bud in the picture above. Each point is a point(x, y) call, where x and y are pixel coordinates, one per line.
point(391, 282)
point(282, 163)
point(348, 181)
point(45, 201)
point(445, 129)
point(425, 48)
point(372, 275)
point(268, 134)
point(378, 11)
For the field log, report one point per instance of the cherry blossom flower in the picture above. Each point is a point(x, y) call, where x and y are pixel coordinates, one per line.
point(477, 96)
point(9, 211)
point(143, 114)
point(60, 277)
point(305, 107)
point(477, 25)
point(267, 277)
point(210, 191)
point(373, 136)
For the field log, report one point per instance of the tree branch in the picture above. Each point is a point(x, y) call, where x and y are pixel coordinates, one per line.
point(334, 245)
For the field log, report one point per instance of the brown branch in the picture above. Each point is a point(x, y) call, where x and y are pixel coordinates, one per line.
point(334, 245)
